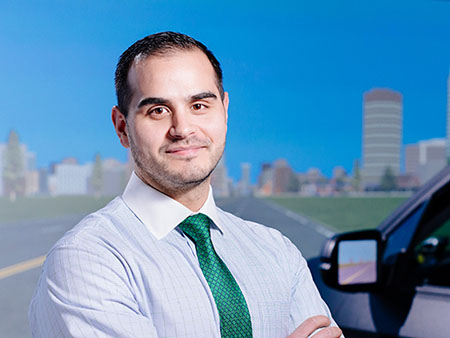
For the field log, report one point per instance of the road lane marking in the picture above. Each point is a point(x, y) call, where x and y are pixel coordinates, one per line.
point(355, 275)
point(313, 225)
point(21, 267)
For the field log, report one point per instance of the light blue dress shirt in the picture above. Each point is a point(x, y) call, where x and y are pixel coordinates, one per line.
point(128, 271)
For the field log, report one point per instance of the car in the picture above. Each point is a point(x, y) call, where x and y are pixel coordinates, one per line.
point(393, 281)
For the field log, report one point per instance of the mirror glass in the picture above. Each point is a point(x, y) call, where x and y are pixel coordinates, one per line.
point(357, 262)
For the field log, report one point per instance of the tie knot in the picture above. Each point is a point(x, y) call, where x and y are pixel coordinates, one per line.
point(196, 227)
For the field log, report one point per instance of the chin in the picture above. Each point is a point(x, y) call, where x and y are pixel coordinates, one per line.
point(190, 177)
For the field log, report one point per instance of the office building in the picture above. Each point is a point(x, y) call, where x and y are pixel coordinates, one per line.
point(244, 185)
point(283, 178)
point(425, 158)
point(70, 178)
point(265, 180)
point(382, 134)
point(220, 181)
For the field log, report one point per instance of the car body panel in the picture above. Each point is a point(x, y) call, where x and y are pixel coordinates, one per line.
point(400, 308)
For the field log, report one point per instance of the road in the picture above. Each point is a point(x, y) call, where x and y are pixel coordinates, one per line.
point(365, 272)
point(23, 246)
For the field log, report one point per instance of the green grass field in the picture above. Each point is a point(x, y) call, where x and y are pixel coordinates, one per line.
point(48, 207)
point(343, 213)
point(340, 213)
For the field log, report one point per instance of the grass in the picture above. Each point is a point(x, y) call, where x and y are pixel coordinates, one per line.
point(343, 213)
point(340, 213)
point(48, 207)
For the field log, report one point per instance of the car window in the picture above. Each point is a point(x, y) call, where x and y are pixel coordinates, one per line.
point(433, 257)
point(399, 240)
point(432, 248)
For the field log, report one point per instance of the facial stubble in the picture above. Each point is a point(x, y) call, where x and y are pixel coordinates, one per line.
point(159, 175)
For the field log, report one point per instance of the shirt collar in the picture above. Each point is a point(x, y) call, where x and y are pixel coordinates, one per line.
point(159, 212)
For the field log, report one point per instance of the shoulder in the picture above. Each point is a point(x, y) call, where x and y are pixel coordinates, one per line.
point(271, 239)
point(107, 228)
point(101, 244)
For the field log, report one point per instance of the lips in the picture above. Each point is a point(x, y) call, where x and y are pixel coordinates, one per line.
point(184, 151)
point(181, 149)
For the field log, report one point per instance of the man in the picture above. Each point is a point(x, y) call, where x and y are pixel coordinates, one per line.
point(162, 260)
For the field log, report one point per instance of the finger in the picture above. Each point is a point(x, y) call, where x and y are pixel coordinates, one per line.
point(329, 332)
point(309, 326)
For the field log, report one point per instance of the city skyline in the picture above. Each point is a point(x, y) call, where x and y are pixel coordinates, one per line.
point(295, 85)
point(422, 160)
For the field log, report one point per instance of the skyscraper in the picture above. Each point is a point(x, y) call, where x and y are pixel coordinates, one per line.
point(265, 179)
point(382, 134)
point(425, 158)
point(244, 184)
point(283, 177)
point(220, 180)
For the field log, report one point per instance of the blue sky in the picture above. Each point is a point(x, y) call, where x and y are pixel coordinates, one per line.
point(295, 70)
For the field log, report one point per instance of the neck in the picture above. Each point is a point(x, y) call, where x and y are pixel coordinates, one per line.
point(192, 197)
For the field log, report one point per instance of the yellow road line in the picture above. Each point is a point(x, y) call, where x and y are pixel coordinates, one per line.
point(358, 273)
point(21, 267)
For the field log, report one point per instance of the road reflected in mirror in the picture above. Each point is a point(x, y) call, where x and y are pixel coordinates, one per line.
point(357, 262)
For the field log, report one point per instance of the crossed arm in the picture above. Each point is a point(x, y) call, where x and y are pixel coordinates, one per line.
point(68, 307)
point(314, 323)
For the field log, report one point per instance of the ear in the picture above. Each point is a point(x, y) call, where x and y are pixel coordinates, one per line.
point(120, 125)
point(226, 102)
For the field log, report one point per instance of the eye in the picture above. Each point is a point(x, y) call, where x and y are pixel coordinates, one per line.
point(198, 106)
point(158, 112)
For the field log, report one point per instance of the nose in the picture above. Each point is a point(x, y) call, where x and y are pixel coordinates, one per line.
point(182, 126)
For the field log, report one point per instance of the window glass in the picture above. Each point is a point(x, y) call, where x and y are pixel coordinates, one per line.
point(433, 257)
point(399, 240)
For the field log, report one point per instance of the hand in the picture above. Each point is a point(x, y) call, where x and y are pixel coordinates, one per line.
point(314, 323)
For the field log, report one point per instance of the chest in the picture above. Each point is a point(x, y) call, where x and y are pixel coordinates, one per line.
point(172, 290)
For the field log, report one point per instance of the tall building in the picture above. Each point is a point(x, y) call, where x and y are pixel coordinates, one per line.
point(382, 134)
point(283, 177)
point(220, 180)
point(425, 158)
point(265, 180)
point(412, 158)
point(244, 185)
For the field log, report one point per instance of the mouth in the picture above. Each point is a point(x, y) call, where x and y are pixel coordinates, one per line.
point(185, 151)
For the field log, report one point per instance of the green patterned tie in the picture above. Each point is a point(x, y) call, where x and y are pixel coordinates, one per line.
point(233, 312)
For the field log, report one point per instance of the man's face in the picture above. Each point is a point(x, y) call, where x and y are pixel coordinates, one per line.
point(177, 121)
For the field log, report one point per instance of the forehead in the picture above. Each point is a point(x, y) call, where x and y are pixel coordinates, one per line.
point(175, 73)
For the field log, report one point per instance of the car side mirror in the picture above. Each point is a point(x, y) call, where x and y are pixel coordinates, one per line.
point(352, 261)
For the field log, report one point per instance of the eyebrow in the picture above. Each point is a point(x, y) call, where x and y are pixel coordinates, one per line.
point(204, 95)
point(160, 100)
point(152, 100)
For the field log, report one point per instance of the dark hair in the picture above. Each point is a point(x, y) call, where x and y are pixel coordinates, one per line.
point(156, 44)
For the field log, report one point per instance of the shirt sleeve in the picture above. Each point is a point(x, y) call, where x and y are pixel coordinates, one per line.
point(85, 291)
point(305, 297)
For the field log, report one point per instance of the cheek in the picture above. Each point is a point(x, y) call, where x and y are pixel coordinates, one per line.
point(218, 130)
point(150, 136)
